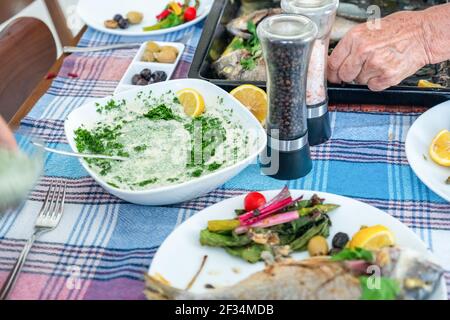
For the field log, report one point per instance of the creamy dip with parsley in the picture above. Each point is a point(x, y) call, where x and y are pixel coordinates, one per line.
point(163, 144)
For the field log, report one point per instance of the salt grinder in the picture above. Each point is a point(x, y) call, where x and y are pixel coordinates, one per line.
point(286, 42)
point(323, 13)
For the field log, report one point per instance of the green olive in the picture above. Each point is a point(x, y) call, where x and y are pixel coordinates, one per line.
point(170, 48)
point(148, 56)
point(153, 47)
point(167, 56)
point(111, 24)
point(135, 17)
point(317, 246)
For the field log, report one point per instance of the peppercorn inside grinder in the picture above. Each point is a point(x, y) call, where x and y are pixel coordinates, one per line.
point(286, 42)
point(323, 13)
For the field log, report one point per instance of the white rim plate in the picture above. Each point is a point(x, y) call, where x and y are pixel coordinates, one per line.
point(94, 13)
point(180, 255)
point(418, 141)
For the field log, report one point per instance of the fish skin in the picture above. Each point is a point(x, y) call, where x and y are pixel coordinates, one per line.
point(313, 279)
point(317, 278)
point(238, 26)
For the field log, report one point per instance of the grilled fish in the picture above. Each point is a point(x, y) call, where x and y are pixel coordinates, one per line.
point(229, 66)
point(318, 279)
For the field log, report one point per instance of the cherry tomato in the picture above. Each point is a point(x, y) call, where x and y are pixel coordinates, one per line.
point(253, 201)
point(190, 14)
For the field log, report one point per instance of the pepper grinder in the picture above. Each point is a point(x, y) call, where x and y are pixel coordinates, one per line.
point(323, 13)
point(286, 42)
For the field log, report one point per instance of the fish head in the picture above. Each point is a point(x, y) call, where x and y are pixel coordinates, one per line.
point(418, 276)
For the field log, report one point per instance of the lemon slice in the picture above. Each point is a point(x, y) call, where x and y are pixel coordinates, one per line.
point(254, 98)
point(372, 238)
point(440, 148)
point(428, 84)
point(192, 101)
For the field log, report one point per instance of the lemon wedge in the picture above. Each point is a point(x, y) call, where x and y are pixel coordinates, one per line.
point(254, 99)
point(428, 84)
point(440, 148)
point(192, 102)
point(372, 238)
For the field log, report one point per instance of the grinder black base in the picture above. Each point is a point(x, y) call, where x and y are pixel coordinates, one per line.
point(319, 129)
point(291, 165)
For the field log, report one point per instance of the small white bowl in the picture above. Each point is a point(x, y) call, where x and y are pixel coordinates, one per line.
point(87, 115)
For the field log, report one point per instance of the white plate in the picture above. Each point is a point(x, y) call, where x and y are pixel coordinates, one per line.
point(137, 65)
point(418, 141)
point(87, 115)
point(95, 12)
point(180, 255)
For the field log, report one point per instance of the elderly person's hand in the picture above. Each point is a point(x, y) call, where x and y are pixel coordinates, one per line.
point(6, 136)
point(382, 57)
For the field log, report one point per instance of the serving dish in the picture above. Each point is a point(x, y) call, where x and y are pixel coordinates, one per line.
point(215, 38)
point(182, 247)
point(94, 13)
point(87, 115)
point(417, 143)
point(137, 65)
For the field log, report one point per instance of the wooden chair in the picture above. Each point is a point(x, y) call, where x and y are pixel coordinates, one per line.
point(27, 51)
point(9, 8)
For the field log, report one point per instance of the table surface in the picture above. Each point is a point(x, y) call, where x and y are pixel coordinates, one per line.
point(103, 246)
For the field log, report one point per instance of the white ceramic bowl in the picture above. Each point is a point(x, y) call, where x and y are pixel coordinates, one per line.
point(87, 115)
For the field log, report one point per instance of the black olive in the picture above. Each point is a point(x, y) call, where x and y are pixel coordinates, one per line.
point(159, 76)
point(135, 79)
point(340, 240)
point(123, 23)
point(118, 17)
point(142, 82)
point(146, 74)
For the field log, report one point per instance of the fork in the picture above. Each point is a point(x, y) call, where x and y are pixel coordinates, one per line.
point(47, 220)
point(68, 49)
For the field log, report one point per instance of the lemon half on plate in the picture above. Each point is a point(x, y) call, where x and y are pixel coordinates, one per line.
point(372, 238)
point(440, 148)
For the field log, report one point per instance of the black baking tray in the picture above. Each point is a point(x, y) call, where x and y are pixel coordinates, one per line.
point(215, 34)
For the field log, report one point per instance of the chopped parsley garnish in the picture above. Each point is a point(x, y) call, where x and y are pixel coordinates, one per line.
point(197, 173)
point(214, 166)
point(110, 105)
point(147, 182)
point(161, 112)
point(207, 134)
point(140, 148)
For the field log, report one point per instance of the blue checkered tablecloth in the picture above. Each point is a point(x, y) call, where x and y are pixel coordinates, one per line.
point(103, 246)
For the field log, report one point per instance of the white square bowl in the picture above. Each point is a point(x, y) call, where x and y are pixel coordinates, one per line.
point(87, 115)
point(137, 65)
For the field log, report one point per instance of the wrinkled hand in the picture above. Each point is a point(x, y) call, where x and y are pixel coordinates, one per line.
point(6, 136)
point(381, 57)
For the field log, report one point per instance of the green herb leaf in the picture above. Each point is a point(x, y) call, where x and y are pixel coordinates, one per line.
point(381, 288)
point(214, 239)
point(248, 63)
point(353, 254)
point(161, 112)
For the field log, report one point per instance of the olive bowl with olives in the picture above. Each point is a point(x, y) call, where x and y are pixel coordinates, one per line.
point(143, 71)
